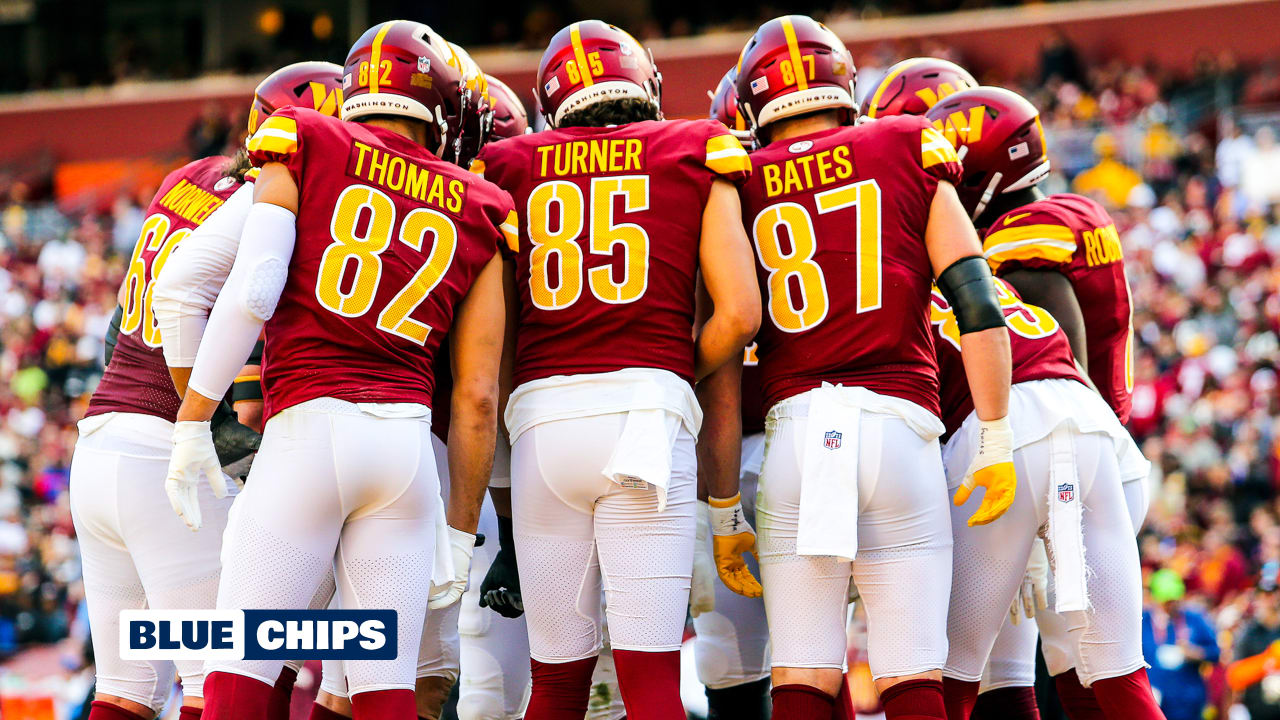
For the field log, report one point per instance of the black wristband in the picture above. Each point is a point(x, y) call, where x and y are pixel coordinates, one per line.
point(967, 286)
point(506, 534)
point(246, 389)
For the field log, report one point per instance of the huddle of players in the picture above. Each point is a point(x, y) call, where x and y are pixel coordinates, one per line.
point(586, 292)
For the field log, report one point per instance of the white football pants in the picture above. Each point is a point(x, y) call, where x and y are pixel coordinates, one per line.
point(903, 564)
point(578, 532)
point(136, 552)
point(991, 560)
point(335, 487)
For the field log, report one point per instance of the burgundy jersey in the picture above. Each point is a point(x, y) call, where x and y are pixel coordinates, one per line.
point(838, 220)
point(1075, 236)
point(389, 241)
point(137, 380)
point(608, 248)
point(1037, 344)
point(753, 409)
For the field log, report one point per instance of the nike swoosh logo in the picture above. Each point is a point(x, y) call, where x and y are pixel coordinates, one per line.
point(1015, 218)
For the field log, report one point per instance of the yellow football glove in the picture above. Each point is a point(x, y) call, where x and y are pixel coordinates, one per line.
point(733, 537)
point(991, 468)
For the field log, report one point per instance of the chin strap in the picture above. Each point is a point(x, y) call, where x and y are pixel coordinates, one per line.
point(986, 196)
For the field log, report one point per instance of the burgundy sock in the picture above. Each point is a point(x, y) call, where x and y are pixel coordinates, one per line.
point(1077, 701)
point(281, 695)
point(100, 710)
point(914, 700)
point(189, 713)
point(650, 684)
point(801, 702)
point(1011, 703)
point(1127, 697)
point(228, 696)
point(959, 697)
point(560, 690)
point(320, 712)
point(844, 702)
point(384, 705)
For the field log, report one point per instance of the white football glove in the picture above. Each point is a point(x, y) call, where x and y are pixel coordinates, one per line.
point(991, 468)
point(1034, 593)
point(193, 455)
point(702, 589)
point(461, 544)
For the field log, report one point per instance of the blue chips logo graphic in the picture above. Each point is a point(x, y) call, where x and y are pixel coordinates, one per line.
point(258, 634)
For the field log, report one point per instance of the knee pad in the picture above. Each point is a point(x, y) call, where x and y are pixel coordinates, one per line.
point(481, 706)
point(712, 649)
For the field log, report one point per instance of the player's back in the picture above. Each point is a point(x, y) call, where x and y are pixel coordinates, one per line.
point(389, 241)
point(1077, 237)
point(137, 380)
point(838, 221)
point(1038, 347)
point(609, 237)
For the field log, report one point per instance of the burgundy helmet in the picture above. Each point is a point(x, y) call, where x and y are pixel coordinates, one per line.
point(724, 107)
point(999, 139)
point(509, 116)
point(794, 65)
point(402, 68)
point(315, 85)
point(477, 114)
point(913, 86)
point(591, 61)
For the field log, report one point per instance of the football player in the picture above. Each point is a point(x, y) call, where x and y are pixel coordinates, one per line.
point(623, 210)
point(361, 250)
point(731, 645)
point(914, 85)
point(494, 684)
point(134, 553)
point(1005, 157)
point(184, 298)
point(1065, 449)
point(852, 224)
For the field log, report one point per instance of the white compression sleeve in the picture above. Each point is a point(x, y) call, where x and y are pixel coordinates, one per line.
point(247, 300)
point(193, 276)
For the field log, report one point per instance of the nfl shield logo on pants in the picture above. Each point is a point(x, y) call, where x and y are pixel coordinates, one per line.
point(1066, 492)
point(831, 440)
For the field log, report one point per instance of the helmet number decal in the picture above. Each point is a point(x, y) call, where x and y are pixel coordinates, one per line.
point(595, 68)
point(789, 72)
point(363, 254)
point(559, 288)
point(383, 79)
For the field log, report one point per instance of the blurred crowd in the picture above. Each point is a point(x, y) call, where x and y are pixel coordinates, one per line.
point(1188, 167)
